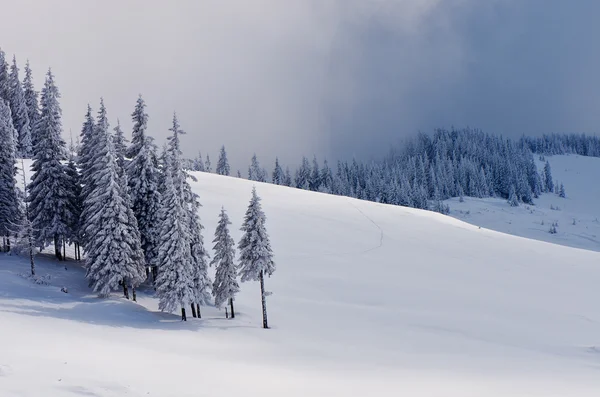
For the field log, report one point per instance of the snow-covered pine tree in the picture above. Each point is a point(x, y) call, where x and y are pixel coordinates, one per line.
point(114, 255)
point(74, 206)
point(24, 235)
point(314, 181)
point(175, 281)
point(207, 165)
point(19, 111)
point(513, 200)
point(561, 191)
point(256, 256)
point(86, 161)
point(199, 163)
point(144, 179)
point(49, 183)
point(4, 83)
point(9, 195)
point(31, 101)
point(548, 181)
point(226, 285)
point(119, 143)
point(287, 180)
point(277, 173)
point(223, 163)
point(140, 124)
point(255, 172)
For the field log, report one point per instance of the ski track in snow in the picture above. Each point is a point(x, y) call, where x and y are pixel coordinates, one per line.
point(374, 223)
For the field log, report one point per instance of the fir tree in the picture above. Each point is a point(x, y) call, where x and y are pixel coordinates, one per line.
point(512, 197)
point(207, 165)
point(175, 281)
point(31, 102)
point(119, 143)
point(19, 111)
point(225, 286)
point(561, 191)
point(49, 183)
point(140, 124)
point(223, 163)
point(256, 256)
point(278, 175)
point(113, 252)
point(74, 206)
point(4, 80)
point(548, 181)
point(9, 196)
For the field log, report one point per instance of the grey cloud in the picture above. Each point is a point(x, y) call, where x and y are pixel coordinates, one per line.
point(336, 78)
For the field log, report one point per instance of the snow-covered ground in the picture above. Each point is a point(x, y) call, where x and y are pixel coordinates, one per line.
point(368, 300)
point(577, 215)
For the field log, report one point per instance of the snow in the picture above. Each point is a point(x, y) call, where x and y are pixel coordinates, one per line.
point(577, 215)
point(368, 300)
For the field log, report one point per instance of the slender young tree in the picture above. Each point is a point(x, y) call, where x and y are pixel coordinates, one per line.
point(226, 285)
point(24, 234)
point(198, 254)
point(9, 196)
point(113, 252)
point(47, 197)
point(256, 256)
point(207, 165)
point(278, 176)
point(19, 111)
point(223, 164)
point(31, 102)
point(548, 181)
point(4, 81)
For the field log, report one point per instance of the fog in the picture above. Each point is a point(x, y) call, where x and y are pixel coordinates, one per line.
point(337, 78)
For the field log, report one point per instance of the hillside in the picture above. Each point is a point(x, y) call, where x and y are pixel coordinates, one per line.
point(577, 215)
point(368, 300)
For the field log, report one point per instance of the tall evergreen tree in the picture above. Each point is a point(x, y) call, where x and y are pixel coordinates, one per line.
point(207, 165)
point(9, 196)
point(113, 251)
point(255, 172)
point(4, 81)
point(256, 256)
point(223, 164)
point(226, 285)
point(74, 206)
point(140, 124)
point(49, 183)
point(31, 102)
point(19, 111)
point(548, 181)
point(119, 143)
point(278, 176)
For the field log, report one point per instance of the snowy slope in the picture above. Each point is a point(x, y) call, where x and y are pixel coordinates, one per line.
point(577, 215)
point(368, 300)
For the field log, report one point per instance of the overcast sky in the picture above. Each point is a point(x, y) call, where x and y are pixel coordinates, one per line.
point(338, 78)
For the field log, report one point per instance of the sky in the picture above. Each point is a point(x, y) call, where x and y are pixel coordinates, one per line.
point(335, 78)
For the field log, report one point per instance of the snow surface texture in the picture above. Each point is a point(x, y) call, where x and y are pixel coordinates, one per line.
point(368, 300)
point(577, 215)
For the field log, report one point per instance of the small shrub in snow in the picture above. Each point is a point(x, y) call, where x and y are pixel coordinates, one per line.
point(39, 280)
point(553, 229)
point(553, 208)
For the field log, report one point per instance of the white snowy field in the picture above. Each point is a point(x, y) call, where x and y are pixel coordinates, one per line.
point(368, 300)
point(577, 215)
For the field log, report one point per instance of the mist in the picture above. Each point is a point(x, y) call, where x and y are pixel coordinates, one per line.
point(337, 78)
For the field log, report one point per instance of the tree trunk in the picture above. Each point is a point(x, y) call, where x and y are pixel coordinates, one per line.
point(57, 248)
point(133, 293)
point(264, 300)
point(65, 250)
point(154, 274)
point(231, 305)
point(3, 243)
point(193, 311)
point(7, 243)
point(125, 290)
point(183, 317)
point(198, 310)
point(226, 312)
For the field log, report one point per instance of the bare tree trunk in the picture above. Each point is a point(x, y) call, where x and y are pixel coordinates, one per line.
point(125, 290)
point(183, 317)
point(57, 248)
point(198, 310)
point(264, 300)
point(193, 311)
point(7, 243)
point(133, 293)
point(64, 250)
point(226, 312)
point(231, 305)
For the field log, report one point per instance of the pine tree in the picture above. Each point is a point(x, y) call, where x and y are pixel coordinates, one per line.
point(74, 206)
point(256, 256)
point(512, 197)
point(225, 286)
point(9, 196)
point(31, 102)
point(144, 179)
point(314, 181)
point(207, 165)
point(140, 124)
point(4, 80)
point(278, 175)
point(119, 143)
point(86, 160)
point(113, 251)
point(287, 180)
point(49, 183)
point(24, 235)
point(548, 181)
point(561, 191)
point(19, 111)
point(223, 163)
point(174, 284)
